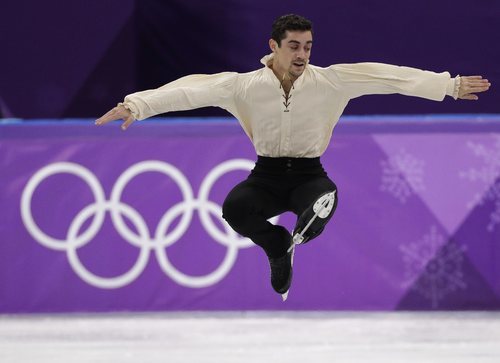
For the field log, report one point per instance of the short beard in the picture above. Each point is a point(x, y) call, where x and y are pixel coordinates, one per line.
point(292, 75)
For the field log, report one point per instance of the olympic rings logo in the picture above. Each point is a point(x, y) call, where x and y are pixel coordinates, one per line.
point(143, 238)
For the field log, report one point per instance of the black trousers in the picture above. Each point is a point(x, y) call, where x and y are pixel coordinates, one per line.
point(274, 186)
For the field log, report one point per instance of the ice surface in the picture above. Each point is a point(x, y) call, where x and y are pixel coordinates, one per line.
point(304, 337)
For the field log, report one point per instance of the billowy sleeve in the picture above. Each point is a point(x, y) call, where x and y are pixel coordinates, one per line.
point(360, 79)
point(186, 93)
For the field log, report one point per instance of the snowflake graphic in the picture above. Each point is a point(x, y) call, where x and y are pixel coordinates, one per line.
point(488, 175)
point(402, 175)
point(433, 268)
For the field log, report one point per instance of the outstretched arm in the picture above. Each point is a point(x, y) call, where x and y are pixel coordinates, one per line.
point(186, 93)
point(376, 78)
point(470, 85)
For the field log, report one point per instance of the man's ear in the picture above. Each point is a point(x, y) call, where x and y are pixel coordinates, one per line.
point(273, 45)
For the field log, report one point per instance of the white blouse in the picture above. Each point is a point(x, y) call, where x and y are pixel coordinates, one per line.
point(302, 124)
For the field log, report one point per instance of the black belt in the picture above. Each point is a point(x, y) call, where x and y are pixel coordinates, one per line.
point(288, 163)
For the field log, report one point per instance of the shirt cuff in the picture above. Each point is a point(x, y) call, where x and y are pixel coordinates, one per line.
point(129, 106)
point(453, 87)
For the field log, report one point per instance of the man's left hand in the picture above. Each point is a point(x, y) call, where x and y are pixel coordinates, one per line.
point(470, 85)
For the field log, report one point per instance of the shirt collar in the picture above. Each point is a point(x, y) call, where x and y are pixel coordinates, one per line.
point(267, 59)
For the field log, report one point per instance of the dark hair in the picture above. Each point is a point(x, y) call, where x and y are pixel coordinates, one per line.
point(289, 22)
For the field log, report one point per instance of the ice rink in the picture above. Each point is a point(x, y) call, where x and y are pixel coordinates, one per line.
point(252, 337)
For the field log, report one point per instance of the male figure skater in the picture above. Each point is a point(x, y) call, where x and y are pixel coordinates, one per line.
point(288, 108)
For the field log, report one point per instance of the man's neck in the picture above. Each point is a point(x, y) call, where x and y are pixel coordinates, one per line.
point(286, 79)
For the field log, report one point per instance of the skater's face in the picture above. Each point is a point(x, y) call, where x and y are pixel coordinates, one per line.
point(292, 55)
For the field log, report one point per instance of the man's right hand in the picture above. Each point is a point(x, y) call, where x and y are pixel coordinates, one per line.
point(117, 113)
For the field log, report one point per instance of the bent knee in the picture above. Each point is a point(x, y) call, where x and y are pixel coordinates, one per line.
point(235, 211)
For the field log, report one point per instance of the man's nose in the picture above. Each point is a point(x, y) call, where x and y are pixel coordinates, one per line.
point(302, 54)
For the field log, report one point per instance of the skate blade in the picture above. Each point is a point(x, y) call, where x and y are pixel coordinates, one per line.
point(324, 205)
point(322, 209)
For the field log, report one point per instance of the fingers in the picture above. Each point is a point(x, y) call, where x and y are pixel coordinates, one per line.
point(472, 77)
point(470, 97)
point(475, 81)
point(128, 122)
point(116, 113)
point(108, 117)
point(478, 89)
point(478, 82)
point(470, 85)
point(475, 88)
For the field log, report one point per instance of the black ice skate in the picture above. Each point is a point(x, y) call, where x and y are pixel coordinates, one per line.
point(312, 222)
point(281, 273)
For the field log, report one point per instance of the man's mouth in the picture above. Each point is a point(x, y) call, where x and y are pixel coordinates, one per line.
point(298, 64)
